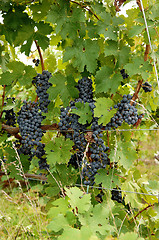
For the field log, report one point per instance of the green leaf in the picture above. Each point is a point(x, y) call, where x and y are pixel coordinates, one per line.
point(106, 81)
point(44, 28)
point(83, 53)
point(123, 55)
point(62, 86)
point(102, 110)
point(7, 78)
point(125, 154)
point(84, 233)
point(78, 15)
point(40, 10)
point(111, 48)
point(130, 236)
point(111, 33)
point(43, 41)
point(20, 72)
point(108, 180)
point(26, 48)
point(135, 30)
point(138, 67)
point(52, 191)
point(16, 24)
point(58, 151)
point(58, 223)
point(97, 220)
point(24, 34)
point(77, 200)
point(83, 111)
point(59, 206)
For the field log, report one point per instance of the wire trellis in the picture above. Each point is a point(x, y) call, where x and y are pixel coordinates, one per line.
point(119, 190)
point(108, 189)
point(148, 34)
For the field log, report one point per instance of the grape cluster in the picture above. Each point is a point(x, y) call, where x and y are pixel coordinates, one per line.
point(76, 159)
point(97, 150)
point(85, 90)
point(70, 120)
point(89, 171)
point(147, 87)
point(29, 120)
point(117, 195)
point(42, 84)
point(99, 196)
point(124, 74)
point(126, 112)
point(10, 117)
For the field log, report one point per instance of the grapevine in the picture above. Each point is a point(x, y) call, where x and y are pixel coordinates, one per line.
point(75, 114)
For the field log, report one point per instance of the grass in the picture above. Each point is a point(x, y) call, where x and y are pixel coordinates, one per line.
point(21, 216)
point(148, 146)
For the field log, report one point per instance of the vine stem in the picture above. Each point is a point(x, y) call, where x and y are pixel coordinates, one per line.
point(83, 6)
point(108, 140)
point(147, 50)
point(40, 55)
point(150, 205)
point(139, 4)
point(118, 3)
point(3, 96)
point(41, 60)
point(29, 175)
point(135, 96)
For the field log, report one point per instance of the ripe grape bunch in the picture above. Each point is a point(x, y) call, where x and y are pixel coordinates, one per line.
point(98, 155)
point(97, 150)
point(70, 120)
point(42, 84)
point(117, 195)
point(76, 159)
point(126, 112)
point(10, 116)
point(29, 120)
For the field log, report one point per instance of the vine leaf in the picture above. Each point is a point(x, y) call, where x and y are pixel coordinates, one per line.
point(58, 223)
point(20, 72)
point(62, 86)
point(135, 30)
point(138, 67)
point(83, 233)
point(83, 53)
point(125, 154)
point(102, 110)
point(130, 236)
point(133, 197)
point(83, 111)
point(104, 79)
point(108, 180)
point(111, 48)
point(77, 200)
point(58, 151)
